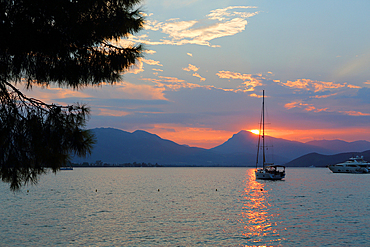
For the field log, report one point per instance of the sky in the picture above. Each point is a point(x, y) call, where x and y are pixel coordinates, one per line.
point(207, 62)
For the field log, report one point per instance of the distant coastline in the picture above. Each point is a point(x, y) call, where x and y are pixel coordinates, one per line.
point(107, 165)
point(118, 148)
point(103, 164)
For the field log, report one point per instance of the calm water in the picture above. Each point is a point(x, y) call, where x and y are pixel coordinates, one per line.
point(187, 207)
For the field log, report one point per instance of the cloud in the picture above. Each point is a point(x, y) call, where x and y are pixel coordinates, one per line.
point(137, 68)
point(220, 23)
point(191, 68)
point(223, 14)
point(194, 68)
point(353, 86)
point(355, 113)
point(197, 75)
point(134, 91)
point(49, 94)
point(312, 85)
point(255, 95)
point(150, 51)
point(110, 112)
point(307, 107)
point(166, 83)
point(169, 83)
point(250, 81)
point(170, 79)
point(151, 62)
point(139, 65)
point(323, 96)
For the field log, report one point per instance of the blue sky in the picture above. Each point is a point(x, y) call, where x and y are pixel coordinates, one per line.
point(207, 63)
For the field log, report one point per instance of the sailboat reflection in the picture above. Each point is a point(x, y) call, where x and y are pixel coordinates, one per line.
point(258, 220)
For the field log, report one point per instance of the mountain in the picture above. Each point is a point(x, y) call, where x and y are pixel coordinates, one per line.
point(321, 160)
point(285, 150)
point(339, 146)
point(117, 147)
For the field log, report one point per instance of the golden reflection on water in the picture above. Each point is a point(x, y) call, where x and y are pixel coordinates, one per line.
point(257, 219)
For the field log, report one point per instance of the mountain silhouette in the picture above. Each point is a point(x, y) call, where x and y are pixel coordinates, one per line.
point(116, 146)
point(339, 146)
point(245, 141)
point(321, 160)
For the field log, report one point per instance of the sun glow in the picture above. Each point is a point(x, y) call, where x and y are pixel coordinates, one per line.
point(255, 131)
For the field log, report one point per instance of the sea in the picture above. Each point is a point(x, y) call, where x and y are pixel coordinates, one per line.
point(187, 207)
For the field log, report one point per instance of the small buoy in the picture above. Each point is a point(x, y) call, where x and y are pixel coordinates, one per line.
point(216, 189)
point(28, 191)
point(96, 190)
point(158, 189)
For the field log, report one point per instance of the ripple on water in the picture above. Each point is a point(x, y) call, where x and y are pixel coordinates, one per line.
point(187, 207)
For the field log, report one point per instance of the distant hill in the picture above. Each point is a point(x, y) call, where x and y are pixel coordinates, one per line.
point(339, 146)
point(245, 141)
point(117, 147)
point(321, 160)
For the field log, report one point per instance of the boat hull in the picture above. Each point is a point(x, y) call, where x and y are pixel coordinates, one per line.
point(349, 169)
point(265, 175)
point(353, 165)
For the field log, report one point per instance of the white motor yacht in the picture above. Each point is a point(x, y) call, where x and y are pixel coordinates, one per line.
point(353, 165)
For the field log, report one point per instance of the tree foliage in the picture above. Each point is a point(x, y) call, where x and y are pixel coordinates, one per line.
point(62, 42)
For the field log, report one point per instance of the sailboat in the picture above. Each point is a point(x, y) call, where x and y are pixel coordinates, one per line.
point(269, 171)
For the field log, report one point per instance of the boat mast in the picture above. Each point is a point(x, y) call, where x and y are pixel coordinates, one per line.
point(263, 127)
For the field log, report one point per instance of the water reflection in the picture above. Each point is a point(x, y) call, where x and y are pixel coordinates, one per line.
point(259, 221)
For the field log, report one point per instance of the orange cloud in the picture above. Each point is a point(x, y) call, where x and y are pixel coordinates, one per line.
point(323, 96)
point(172, 83)
point(137, 68)
point(307, 107)
point(312, 85)
point(249, 80)
point(355, 113)
point(178, 85)
point(197, 75)
point(191, 68)
point(133, 91)
point(255, 95)
point(112, 113)
point(151, 62)
point(170, 79)
point(353, 86)
point(49, 94)
point(150, 51)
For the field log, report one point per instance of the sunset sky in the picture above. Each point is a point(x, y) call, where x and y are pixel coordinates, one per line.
point(207, 62)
